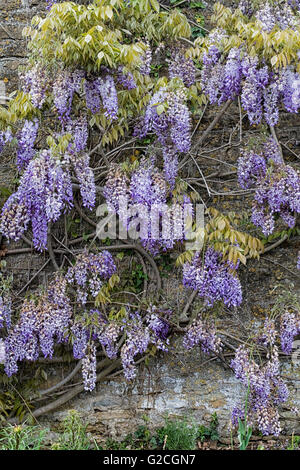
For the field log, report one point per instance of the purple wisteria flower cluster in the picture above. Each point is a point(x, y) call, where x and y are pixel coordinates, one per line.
point(101, 92)
point(2, 351)
point(289, 329)
point(281, 15)
point(145, 196)
point(139, 336)
point(146, 60)
point(88, 273)
point(40, 324)
point(182, 67)
point(125, 78)
point(44, 192)
point(51, 318)
point(213, 279)
point(5, 310)
point(203, 332)
point(36, 82)
point(65, 85)
point(277, 186)
point(273, 14)
point(167, 115)
point(246, 7)
point(26, 142)
point(5, 138)
point(50, 3)
point(266, 389)
point(262, 90)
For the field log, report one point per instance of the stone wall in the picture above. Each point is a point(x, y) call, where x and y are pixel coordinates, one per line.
point(181, 384)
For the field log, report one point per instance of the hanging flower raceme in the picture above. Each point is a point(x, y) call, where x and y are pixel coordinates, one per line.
point(36, 82)
point(51, 318)
point(26, 142)
point(101, 92)
point(266, 390)
point(125, 78)
point(88, 273)
point(213, 279)
point(5, 310)
point(277, 186)
point(182, 67)
point(145, 204)
point(167, 115)
point(2, 351)
point(85, 176)
point(40, 324)
point(78, 128)
point(276, 15)
point(44, 192)
point(225, 76)
point(289, 329)
point(139, 336)
point(203, 332)
point(146, 59)
point(5, 138)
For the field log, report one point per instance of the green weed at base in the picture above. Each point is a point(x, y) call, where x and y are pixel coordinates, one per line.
point(21, 437)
